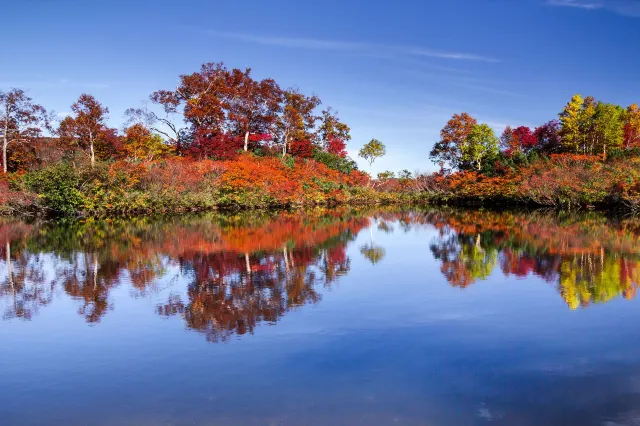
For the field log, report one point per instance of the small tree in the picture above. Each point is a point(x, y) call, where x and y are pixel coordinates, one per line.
point(372, 151)
point(386, 175)
point(21, 120)
point(88, 127)
point(447, 152)
point(141, 144)
point(481, 143)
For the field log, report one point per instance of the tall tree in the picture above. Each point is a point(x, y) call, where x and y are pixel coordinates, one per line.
point(332, 128)
point(608, 128)
point(632, 127)
point(570, 119)
point(518, 140)
point(21, 120)
point(372, 150)
point(480, 144)
point(87, 127)
point(203, 97)
point(297, 121)
point(254, 106)
point(454, 134)
point(507, 144)
point(587, 124)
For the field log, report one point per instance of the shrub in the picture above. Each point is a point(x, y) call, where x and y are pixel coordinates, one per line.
point(57, 187)
point(340, 163)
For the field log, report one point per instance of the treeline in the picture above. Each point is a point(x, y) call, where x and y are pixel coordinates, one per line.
point(214, 113)
point(224, 139)
point(589, 156)
point(585, 126)
point(220, 139)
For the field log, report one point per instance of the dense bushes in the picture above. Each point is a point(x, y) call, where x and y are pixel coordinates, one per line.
point(57, 187)
point(180, 184)
point(560, 180)
point(340, 163)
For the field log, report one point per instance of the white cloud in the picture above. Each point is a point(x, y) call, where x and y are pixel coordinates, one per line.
point(490, 90)
point(621, 7)
point(576, 3)
point(344, 46)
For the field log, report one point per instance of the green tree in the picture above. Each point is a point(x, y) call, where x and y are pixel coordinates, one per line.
point(373, 150)
point(386, 175)
point(373, 254)
point(480, 144)
point(608, 128)
point(570, 119)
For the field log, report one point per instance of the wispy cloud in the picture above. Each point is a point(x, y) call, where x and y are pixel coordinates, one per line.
point(346, 46)
point(490, 90)
point(303, 43)
point(621, 7)
point(575, 3)
point(444, 55)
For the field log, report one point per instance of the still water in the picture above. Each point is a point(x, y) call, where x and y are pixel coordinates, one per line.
point(331, 317)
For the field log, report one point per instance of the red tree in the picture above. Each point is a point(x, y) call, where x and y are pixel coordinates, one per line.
point(520, 139)
point(215, 146)
point(336, 146)
point(303, 149)
point(87, 129)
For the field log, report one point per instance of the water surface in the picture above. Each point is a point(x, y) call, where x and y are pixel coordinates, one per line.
point(426, 317)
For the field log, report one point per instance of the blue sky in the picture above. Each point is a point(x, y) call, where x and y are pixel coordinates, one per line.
point(395, 70)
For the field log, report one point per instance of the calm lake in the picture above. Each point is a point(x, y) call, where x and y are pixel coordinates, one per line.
point(329, 317)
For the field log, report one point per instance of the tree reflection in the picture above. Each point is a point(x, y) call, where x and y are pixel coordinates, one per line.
point(237, 271)
point(591, 258)
point(241, 270)
point(371, 251)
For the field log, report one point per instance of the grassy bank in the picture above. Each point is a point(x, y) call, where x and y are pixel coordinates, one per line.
point(559, 181)
point(175, 185)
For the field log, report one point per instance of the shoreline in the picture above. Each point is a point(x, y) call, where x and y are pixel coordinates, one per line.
point(387, 200)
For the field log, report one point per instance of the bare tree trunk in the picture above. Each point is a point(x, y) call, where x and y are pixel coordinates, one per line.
point(95, 271)
point(4, 154)
point(5, 140)
point(9, 269)
point(93, 155)
point(248, 265)
point(246, 141)
point(286, 257)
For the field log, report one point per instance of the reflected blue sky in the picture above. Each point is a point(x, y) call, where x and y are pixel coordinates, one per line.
point(390, 343)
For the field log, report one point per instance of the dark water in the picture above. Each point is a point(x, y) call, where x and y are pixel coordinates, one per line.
point(441, 317)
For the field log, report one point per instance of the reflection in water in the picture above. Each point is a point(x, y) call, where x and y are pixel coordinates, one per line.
point(241, 270)
point(591, 258)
